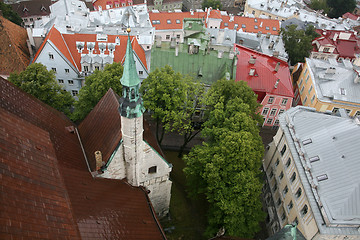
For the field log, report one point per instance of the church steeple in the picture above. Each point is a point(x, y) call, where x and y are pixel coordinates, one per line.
point(131, 105)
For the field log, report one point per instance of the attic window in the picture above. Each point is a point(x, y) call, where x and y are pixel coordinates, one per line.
point(168, 21)
point(236, 26)
point(314, 159)
point(267, 28)
point(243, 26)
point(342, 91)
point(25, 9)
point(322, 177)
point(307, 141)
point(155, 21)
point(43, 8)
point(152, 169)
point(226, 24)
point(177, 21)
point(274, 28)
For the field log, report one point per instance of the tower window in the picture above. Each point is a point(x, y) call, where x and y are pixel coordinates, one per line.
point(132, 94)
point(152, 169)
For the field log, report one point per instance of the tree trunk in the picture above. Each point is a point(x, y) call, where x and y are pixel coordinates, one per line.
point(187, 138)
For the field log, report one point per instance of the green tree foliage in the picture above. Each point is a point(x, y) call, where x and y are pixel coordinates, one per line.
point(172, 99)
point(298, 42)
point(214, 4)
point(319, 5)
point(339, 7)
point(226, 168)
point(96, 85)
point(9, 14)
point(41, 83)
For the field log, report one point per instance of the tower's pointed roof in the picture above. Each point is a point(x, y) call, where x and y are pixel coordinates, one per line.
point(130, 76)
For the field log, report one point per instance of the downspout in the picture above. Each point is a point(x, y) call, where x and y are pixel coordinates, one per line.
point(83, 150)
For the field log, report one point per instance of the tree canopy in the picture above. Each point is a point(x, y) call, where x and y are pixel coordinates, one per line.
point(298, 43)
point(96, 85)
point(215, 4)
point(319, 5)
point(9, 14)
point(172, 100)
point(41, 83)
point(226, 168)
point(339, 7)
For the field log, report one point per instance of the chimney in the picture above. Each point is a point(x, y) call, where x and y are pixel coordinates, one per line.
point(99, 162)
point(277, 83)
point(252, 59)
point(277, 67)
point(231, 18)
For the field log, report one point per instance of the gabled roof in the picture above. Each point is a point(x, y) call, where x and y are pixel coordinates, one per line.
point(254, 25)
point(265, 77)
point(104, 122)
point(66, 44)
point(32, 8)
point(15, 54)
point(44, 155)
point(113, 3)
point(350, 15)
point(171, 20)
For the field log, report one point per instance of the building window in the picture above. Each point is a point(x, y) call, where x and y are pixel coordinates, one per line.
point(141, 72)
point(278, 202)
point(298, 193)
point(293, 177)
point(71, 82)
point(226, 24)
point(307, 78)
point(178, 36)
point(277, 162)
point(61, 81)
point(296, 222)
point(267, 28)
point(322, 177)
point(271, 100)
point(53, 69)
point(288, 163)
point(302, 89)
point(168, 21)
point(265, 111)
point(152, 169)
point(271, 174)
point(357, 114)
point(335, 110)
point(285, 191)
point(301, 81)
point(269, 121)
point(305, 99)
point(283, 150)
point(97, 68)
point(284, 101)
point(274, 28)
point(243, 25)
point(67, 70)
point(304, 210)
point(31, 19)
point(256, 27)
point(348, 111)
point(86, 68)
point(313, 98)
point(74, 92)
point(283, 216)
point(177, 21)
point(305, 72)
point(51, 56)
point(290, 206)
point(276, 122)
point(273, 112)
point(275, 187)
point(167, 37)
point(281, 111)
point(281, 175)
point(311, 87)
point(326, 49)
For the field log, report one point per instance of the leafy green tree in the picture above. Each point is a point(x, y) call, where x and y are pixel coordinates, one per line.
point(226, 168)
point(339, 7)
point(319, 5)
point(298, 43)
point(41, 83)
point(96, 85)
point(214, 4)
point(9, 14)
point(170, 97)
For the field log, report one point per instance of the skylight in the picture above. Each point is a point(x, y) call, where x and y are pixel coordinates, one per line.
point(322, 177)
point(307, 141)
point(314, 159)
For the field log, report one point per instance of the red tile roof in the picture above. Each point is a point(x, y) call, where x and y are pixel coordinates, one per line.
point(264, 25)
point(32, 8)
point(346, 48)
point(48, 160)
point(350, 15)
point(66, 43)
point(113, 3)
point(15, 54)
point(104, 122)
point(265, 76)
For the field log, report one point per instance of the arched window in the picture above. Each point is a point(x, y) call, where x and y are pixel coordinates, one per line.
point(293, 177)
point(283, 150)
point(132, 93)
point(298, 193)
point(304, 210)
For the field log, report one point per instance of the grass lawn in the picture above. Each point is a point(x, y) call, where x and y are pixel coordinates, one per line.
point(187, 217)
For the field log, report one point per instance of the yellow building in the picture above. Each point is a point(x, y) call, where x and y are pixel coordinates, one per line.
point(328, 85)
point(279, 10)
point(312, 176)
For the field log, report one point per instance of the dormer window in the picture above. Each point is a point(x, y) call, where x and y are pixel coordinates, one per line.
point(177, 21)
point(168, 21)
point(43, 8)
point(25, 9)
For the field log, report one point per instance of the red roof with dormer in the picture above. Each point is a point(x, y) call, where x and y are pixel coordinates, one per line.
point(66, 44)
point(167, 20)
point(351, 16)
point(264, 77)
point(110, 4)
point(346, 43)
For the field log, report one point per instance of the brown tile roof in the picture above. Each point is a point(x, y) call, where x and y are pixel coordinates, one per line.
point(104, 123)
point(101, 208)
point(32, 8)
point(14, 53)
point(66, 44)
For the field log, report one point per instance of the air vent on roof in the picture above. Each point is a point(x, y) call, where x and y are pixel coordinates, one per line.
point(307, 141)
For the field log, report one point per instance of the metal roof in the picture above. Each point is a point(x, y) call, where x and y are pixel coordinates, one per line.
point(334, 140)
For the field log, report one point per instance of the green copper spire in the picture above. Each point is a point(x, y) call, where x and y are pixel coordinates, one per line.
point(131, 104)
point(130, 76)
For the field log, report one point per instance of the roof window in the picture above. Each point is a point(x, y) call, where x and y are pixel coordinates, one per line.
point(314, 159)
point(177, 21)
point(322, 177)
point(168, 21)
point(342, 91)
point(307, 141)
